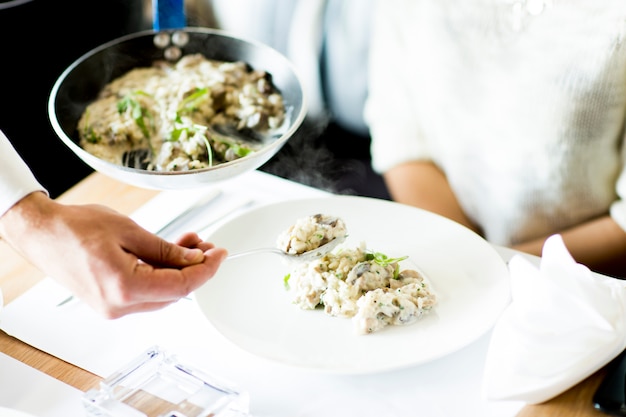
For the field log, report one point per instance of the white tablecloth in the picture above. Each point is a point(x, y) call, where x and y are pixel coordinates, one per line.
point(448, 386)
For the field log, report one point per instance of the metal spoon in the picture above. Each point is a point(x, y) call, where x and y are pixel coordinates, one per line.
point(246, 134)
point(137, 158)
point(300, 257)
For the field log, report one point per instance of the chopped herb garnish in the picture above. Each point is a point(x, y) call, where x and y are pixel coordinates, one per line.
point(194, 100)
point(240, 151)
point(286, 281)
point(209, 150)
point(137, 111)
point(88, 132)
point(192, 129)
point(91, 136)
point(383, 260)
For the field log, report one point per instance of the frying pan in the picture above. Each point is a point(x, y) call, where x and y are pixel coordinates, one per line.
point(81, 82)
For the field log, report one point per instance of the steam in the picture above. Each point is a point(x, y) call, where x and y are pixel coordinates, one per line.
point(306, 159)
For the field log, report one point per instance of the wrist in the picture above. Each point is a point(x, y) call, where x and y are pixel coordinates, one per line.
point(26, 214)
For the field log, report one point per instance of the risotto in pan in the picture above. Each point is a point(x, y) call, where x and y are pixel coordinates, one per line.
point(170, 114)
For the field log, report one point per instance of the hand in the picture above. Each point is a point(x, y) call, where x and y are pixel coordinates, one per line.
point(105, 258)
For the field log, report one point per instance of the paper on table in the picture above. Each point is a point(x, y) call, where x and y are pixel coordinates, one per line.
point(563, 324)
point(36, 393)
point(448, 386)
point(76, 334)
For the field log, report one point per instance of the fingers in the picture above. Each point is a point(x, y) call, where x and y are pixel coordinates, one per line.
point(189, 240)
point(166, 284)
point(157, 272)
point(188, 250)
point(198, 274)
point(156, 251)
point(190, 247)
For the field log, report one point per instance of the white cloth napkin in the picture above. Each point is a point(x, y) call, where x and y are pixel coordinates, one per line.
point(564, 323)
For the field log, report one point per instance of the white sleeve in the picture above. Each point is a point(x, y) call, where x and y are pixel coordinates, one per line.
point(16, 179)
point(390, 108)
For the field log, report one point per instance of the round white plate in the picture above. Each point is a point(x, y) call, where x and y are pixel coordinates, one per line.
point(247, 303)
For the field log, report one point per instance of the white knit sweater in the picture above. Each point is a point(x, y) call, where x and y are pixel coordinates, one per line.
point(522, 103)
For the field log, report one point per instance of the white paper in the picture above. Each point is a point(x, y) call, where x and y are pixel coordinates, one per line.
point(30, 391)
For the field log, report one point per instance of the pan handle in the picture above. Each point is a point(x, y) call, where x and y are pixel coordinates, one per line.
point(168, 14)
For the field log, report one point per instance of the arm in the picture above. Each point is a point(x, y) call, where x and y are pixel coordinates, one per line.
point(422, 184)
point(599, 244)
point(104, 257)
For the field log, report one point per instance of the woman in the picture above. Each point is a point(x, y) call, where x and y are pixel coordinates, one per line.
point(507, 117)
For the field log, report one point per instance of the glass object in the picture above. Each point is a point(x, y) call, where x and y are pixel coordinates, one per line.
point(157, 384)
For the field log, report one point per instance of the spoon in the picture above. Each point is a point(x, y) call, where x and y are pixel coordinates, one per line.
point(246, 134)
point(299, 257)
point(137, 158)
point(140, 158)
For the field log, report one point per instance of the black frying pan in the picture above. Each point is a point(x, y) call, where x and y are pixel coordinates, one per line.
point(79, 85)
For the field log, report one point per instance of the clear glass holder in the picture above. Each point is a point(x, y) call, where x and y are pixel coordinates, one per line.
point(157, 384)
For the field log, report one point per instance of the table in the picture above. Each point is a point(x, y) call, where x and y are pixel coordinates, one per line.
point(17, 276)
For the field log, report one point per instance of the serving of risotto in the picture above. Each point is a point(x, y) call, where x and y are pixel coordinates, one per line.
point(170, 113)
point(366, 286)
point(311, 232)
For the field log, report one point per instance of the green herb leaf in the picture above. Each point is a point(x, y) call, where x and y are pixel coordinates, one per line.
point(383, 260)
point(241, 151)
point(194, 100)
point(286, 281)
point(209, 150)
point(137, 111)
point(90, 136)
point(191, 129)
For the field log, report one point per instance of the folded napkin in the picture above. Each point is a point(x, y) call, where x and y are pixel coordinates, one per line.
point(564, 323)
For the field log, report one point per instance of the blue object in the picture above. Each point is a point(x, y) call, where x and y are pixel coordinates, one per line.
point(168, 14)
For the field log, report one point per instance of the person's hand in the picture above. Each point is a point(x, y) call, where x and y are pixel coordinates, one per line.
point(105, 258)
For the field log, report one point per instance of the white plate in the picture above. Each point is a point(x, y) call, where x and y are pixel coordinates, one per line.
point(247, 303)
